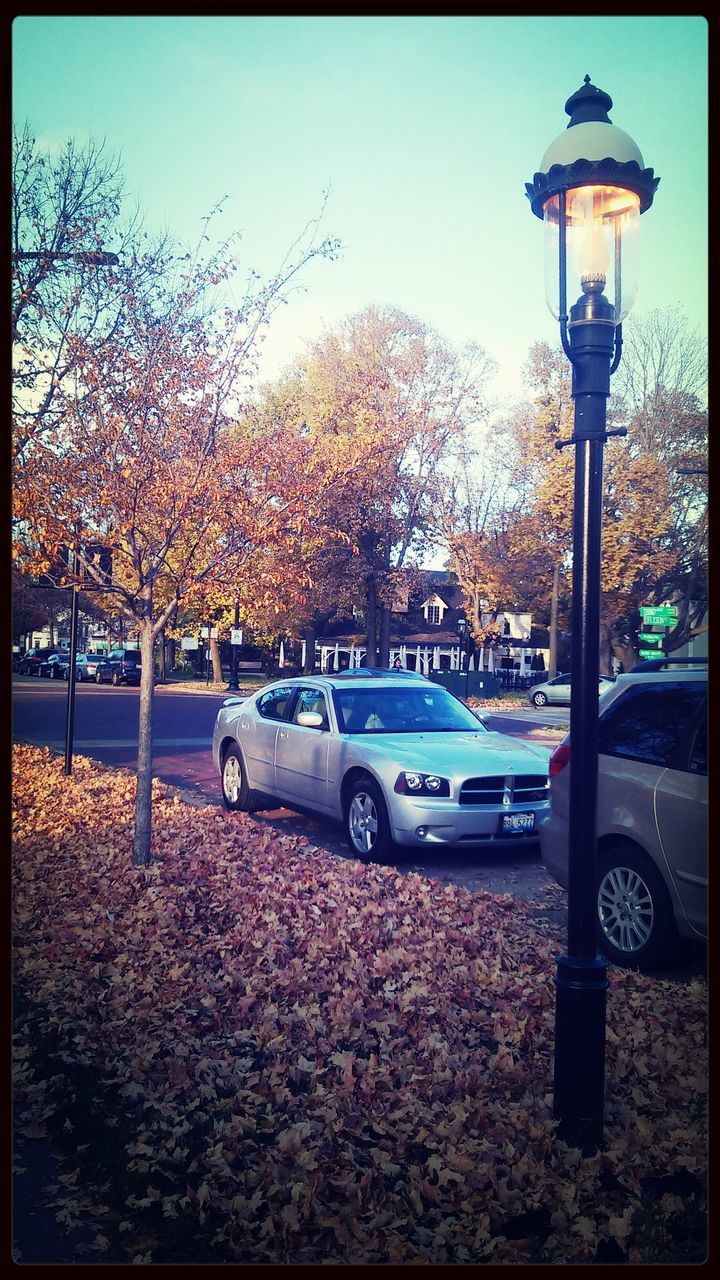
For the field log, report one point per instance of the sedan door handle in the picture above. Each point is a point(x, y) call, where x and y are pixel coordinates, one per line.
point(284, 733)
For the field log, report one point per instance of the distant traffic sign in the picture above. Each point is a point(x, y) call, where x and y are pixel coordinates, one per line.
point(652, 637)
point(651, 653)
point(660, 616)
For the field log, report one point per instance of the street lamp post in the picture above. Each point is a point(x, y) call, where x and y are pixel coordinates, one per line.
point(464, 634)
point(590, 192)
point(233, 684)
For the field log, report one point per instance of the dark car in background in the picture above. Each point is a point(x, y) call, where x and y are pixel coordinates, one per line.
point(32, 659)
point(121, 666)
point(55, 667)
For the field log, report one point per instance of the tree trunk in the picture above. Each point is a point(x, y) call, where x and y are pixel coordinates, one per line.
point(552, 656)
point(384, 654)
point(605, 652)
point(624, 653)
point(143, 796)
point(371, 622)
point(215, 659)
point(161, 659)
point(170, 655)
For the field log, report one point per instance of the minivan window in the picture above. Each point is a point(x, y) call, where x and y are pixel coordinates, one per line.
point(650, 722)
point(698, 755)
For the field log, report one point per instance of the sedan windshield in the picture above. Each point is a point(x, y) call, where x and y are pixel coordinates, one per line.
point(411, 709)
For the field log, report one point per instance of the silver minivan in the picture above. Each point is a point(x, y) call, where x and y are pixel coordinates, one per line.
point(652, 823)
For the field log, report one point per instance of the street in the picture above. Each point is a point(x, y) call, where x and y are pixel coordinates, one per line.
point(106, 721)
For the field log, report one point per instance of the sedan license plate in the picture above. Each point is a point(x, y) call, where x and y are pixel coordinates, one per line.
point(514, 822)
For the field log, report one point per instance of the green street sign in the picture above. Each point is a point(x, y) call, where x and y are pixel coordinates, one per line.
point(660, 616)
point(652, 637)
point(651, 653)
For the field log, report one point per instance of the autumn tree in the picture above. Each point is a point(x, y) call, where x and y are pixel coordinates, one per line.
point(138, 448)
point(384, 391)
point(525, 559)
point(661, 385)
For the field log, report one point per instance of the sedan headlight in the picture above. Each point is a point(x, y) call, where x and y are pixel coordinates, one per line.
point(421, 784)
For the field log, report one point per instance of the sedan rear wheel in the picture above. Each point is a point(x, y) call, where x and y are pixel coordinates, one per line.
point(115, 679)
point(236, 793)
point(367, 827)
point(635, 917)
point(540, 699)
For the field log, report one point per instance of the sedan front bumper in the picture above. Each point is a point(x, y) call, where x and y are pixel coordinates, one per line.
point(431, 822)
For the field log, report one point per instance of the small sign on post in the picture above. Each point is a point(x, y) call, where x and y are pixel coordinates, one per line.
point(659, 616)
point(236, 636)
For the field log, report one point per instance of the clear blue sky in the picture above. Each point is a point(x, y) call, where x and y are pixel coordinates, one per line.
point(425, 128)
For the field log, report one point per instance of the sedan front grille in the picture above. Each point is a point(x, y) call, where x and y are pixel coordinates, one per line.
point(524, 788)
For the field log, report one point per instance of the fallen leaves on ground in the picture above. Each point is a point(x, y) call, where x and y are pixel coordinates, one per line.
point(253, 1051)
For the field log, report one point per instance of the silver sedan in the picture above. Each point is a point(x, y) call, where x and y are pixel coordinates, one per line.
point(557, 691)
point(396, 760)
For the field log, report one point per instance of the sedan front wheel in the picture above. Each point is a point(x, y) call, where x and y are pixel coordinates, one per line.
point(367, 826)
point(235, 790)
point(540, 699)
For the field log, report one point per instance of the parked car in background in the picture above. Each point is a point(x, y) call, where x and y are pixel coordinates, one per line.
point(121, 666)
point(55, 666)
point(32, 658)
point(86, 665)
point(395, 758)
point(652, 822)
point(557, 691)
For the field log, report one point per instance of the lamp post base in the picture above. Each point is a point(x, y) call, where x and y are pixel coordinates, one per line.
point(581, 985)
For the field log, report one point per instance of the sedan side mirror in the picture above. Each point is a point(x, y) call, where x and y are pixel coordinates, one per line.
point(310, 720)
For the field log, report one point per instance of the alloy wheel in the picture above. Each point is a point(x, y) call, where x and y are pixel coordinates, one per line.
point(625, 909)
point(232, 779)
point(363, 822)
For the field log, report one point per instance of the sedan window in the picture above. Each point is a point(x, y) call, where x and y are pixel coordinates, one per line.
point(274, 704)
point(650, 723)
point(410, 709)
point(311, 700)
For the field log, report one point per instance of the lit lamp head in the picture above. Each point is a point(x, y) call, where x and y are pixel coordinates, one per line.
point(590, 192)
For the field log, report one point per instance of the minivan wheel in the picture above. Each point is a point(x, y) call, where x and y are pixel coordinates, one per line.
point(540, 699)
point(98, 678)
point(236, 793)
point(635, 918)
point(115, 679)
point(367, 827)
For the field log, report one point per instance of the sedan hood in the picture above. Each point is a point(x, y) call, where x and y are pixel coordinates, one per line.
point(455, 752)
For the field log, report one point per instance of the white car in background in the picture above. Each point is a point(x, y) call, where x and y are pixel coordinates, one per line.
point(557, 691)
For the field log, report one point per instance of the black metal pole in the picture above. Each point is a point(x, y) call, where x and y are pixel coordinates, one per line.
point(233, 685)
point(581, 981)
point(70, 720)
